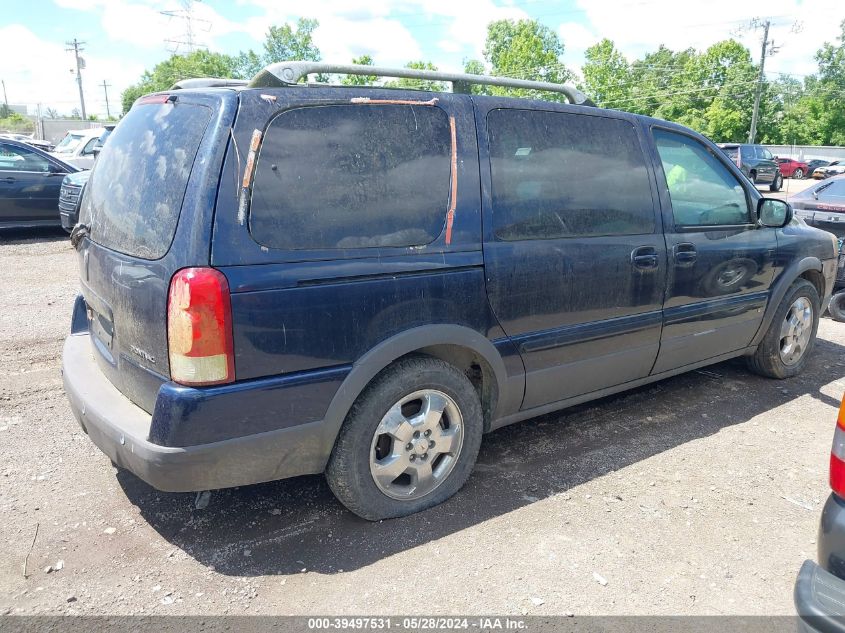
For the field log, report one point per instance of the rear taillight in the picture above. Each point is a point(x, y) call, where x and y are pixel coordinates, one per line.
point(837, 455)
point(199, 328)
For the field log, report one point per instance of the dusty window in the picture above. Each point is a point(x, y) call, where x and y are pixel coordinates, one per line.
point(352, 176)
point(559, 175)
point(133, 199)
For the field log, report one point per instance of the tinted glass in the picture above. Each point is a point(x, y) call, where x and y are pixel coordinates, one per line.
point(762, 152)
point(834, 192)
point(352, 176)
point(703, 191)
point(561, 175)
point(747, 152)
point(20, 159)
point(732, 152)
point(135, 192)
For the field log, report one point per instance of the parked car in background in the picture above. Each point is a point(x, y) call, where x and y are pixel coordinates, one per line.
point(47, 146)
point(398, 272)
point(820, 589)
point(835, 168)
point(70, 198)
point(814, 164)
point(79, 147)
point(791, 168)
point(30, 180)
point(823, 205)
point(756, 162)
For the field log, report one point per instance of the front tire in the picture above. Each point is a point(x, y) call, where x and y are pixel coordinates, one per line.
point(785, 348)
point(798, 174)
point(777, 183)
point(409, 442)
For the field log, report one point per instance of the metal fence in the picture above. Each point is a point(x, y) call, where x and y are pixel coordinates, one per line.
point(808, 152)
point(54, 130)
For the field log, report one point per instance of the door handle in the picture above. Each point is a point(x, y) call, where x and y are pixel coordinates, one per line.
point(684, 253)
point(8, 179)
point(644, 257)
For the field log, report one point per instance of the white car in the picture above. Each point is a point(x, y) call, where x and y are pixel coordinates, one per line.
point(78, 146)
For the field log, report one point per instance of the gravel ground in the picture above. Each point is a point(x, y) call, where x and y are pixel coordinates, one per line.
point(697, 495)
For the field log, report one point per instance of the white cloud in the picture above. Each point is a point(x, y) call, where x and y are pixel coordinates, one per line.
point(576, 39)
point(43, 75)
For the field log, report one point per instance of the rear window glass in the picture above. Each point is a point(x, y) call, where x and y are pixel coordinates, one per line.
point(135, 192)
point(562, 175)
point(732, 152)
point(836, 189)
point(352, 176)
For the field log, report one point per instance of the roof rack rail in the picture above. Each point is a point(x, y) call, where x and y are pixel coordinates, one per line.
point(290, 72)
point(208, 82)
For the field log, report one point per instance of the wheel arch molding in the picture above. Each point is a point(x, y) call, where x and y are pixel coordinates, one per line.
point(453, 343)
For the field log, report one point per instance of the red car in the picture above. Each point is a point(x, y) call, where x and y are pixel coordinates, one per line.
point(793, 168)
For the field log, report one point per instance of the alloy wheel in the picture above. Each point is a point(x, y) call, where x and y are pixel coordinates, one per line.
point(416, 445)
point(796, 330)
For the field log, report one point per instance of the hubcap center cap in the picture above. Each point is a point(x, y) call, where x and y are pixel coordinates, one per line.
point(420, 445)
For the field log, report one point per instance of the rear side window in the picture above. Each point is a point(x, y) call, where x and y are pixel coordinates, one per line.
point(562, 175)
point(135, 193)
point(352, 176)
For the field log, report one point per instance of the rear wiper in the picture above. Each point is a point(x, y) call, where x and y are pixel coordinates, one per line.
point(79, 231)
point(820, 189)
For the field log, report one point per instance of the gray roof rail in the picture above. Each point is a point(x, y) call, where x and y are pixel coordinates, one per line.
point(289, 73)
point(208, 82)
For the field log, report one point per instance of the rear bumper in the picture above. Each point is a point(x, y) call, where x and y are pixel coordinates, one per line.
point(819, 600)
point(121, 429)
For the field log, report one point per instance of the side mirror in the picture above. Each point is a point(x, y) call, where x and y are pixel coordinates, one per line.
point(96, 151)
point(773, 213)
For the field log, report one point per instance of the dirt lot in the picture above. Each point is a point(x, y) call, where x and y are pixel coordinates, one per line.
point(698, 495)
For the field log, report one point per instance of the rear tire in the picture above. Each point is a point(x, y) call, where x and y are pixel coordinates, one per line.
point(409, 442)
point(777, 183)
point(786, 346)
point(837, 307)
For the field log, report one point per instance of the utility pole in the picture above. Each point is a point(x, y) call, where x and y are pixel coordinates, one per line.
point(76, 47)
point(768, 48)
point(106, 91)
point(4, 111)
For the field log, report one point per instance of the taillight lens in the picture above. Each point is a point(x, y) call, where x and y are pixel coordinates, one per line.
point(199, 328)
point(837, 455)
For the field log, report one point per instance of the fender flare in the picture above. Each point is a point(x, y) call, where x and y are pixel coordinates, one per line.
point(786, 279)
point(374, 361)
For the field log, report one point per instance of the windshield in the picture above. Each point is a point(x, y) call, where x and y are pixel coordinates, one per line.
point(731, 152)
point(69, 143)
point(134, 196)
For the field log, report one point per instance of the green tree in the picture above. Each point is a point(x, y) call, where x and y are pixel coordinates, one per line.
point(476, 67)
point(360, 80)
point(282, 43)
point(200, 63)
point(525, 49)
point(829, 91)
point(607, 75)
point(418, 84)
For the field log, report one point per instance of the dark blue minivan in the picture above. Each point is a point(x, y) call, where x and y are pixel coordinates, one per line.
point(282, 278)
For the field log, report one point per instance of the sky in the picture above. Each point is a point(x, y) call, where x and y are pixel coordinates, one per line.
point(124, 37)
